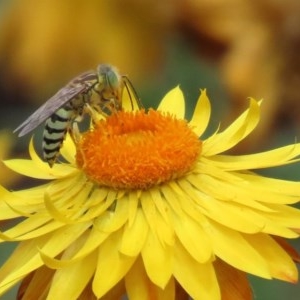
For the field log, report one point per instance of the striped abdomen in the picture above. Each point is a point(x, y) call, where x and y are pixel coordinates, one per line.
point(56, 128)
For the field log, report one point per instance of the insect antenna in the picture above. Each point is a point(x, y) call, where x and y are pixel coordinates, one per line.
point(130, 89)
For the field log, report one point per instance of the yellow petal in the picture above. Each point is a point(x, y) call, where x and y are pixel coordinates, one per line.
point(35, 226)
point(284, 215)
point(94, 240)
point(246, 189)
point(275, 228)
point(233, 134)
point(132, 207)
point(280, 263)
point(85, 245)
point(9, 204)
point(199, 280)
point(237, 191)
point(111, 266)
point(201, 114)
point(27, 168)
point(160, 204)
point(173, 102)
point(161, 227)
point(68, 150)
point(149, 210)
point(57, 170)
point(134, 235)
point(70, 281)
point(276, 157)
point(234, 216)
point(139, 287)
point(62, 238)
point(70, 205)
point(112, 221)
point(157, 260)
point(24, 260)
point(36, 168)
point(157, 224)
point(172, 195)
point(98, 204)
point(193, 238)
point(231, 247)
point(284, 191)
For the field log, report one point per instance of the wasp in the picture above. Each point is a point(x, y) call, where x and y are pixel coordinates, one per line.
point(99, 91)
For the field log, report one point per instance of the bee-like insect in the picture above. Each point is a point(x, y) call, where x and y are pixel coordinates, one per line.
point(99, 90)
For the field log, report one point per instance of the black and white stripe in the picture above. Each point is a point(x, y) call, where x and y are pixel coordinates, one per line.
point(55, 131)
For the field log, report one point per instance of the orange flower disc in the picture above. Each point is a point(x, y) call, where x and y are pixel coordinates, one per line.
point(136, 150)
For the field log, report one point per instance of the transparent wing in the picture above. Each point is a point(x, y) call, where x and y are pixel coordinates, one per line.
point(74, 88)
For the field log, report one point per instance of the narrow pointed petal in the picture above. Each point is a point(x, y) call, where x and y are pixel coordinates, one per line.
point(201, 114)
point(233, 134)
point(28, 168)
point(32, 227)
point(111, 266)
point(24, 260)
point(280, 263)
point(66, 281)
point(193, 238)
point(68, 150)
point(223, 239)
point(10, 204)
point(139, 287)
point(157, 260)
point(132, 207)
point(199, 280)
point(112, 221)
point(267, 159)
point(62, 238)
point(173, 103)
point(36, 168)
point(134, 236)
point(285, 216)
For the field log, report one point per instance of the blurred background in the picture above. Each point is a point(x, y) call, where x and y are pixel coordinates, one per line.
point(234, 48)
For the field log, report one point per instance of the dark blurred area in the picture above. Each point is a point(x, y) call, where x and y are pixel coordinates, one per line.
point(234, 48)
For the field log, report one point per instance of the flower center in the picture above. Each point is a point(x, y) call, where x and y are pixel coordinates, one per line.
point(136, 150)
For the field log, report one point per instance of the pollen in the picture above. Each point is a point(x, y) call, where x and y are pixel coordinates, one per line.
point(137, 150)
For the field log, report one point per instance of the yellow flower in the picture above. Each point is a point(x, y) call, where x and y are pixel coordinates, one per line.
point(143, 207)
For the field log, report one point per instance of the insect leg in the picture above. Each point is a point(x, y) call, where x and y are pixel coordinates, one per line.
point(94, 113)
